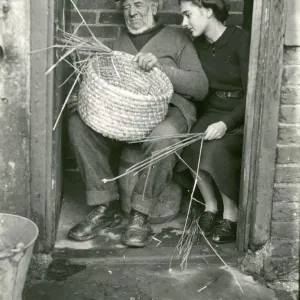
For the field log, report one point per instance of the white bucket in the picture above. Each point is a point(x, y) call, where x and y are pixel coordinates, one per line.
point(17, 239)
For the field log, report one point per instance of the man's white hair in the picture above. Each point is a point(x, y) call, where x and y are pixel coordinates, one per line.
point(160, 3)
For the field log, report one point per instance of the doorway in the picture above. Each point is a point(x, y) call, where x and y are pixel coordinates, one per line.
point(258, 130)
point(74, 208)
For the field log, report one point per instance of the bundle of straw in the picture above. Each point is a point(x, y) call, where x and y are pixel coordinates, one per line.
point(81, 51)
point(185, 140)
point(190, 235)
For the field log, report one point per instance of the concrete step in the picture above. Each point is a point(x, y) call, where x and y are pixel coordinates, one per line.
point(163, 246)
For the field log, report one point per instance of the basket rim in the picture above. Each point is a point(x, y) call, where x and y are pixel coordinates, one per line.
point(129, 94)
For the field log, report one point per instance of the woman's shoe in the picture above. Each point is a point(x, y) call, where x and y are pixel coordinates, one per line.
point(225, 232)
point(207, 222)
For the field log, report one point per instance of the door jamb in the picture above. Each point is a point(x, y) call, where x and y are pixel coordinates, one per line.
point(41, 112)
point(261, 124)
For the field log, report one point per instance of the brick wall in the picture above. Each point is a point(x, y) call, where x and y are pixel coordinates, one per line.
point(104, 17)
point(283, 263)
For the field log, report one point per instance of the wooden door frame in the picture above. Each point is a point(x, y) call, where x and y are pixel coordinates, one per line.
point(45, 143)
point(262, 109)
point(261, 124)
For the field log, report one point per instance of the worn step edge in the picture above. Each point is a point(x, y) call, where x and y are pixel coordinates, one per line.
point(159, 254)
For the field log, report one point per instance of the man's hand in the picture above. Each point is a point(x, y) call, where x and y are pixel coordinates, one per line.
point(147, 61)
point(215, 131)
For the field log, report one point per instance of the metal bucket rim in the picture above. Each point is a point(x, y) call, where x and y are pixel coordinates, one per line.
point(37, 229)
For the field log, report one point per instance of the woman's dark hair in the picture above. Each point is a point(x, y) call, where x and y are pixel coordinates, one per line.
point(219, 7)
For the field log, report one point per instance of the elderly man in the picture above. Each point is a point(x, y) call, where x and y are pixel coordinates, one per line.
point(154, 45)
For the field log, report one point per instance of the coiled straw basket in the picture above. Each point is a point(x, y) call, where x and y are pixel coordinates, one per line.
point(119, 100)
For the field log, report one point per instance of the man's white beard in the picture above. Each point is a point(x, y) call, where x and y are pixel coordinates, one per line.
point(149, 24)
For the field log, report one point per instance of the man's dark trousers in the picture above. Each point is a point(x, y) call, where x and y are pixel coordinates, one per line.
point(93, 154)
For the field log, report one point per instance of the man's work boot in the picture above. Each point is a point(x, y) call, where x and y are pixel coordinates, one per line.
point(101, 217)
point(138, 230)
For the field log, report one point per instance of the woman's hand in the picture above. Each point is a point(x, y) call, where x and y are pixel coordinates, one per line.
point(215, 131)
point(72, 104)
point(147, 61)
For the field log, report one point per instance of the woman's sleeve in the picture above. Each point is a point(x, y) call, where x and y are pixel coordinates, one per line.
point(237, 115)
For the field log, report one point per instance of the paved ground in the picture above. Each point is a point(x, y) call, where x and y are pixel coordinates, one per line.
point(96, 281)
point(104, 269)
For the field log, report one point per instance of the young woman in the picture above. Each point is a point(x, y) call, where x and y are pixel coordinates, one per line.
point(224, 54)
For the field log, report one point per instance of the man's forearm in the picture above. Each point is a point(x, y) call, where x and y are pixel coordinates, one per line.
point(191, 83)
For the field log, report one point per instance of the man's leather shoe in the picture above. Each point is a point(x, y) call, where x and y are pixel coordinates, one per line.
point(138, 230)
point(101, 217)
point(225, 232)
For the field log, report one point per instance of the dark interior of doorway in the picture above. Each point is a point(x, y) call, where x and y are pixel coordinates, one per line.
point(108, 244)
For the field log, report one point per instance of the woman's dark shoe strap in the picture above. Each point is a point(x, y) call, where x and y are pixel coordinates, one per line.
point(225, 232)
point(207, 222)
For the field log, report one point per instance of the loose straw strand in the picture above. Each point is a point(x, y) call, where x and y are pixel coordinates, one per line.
point(146, 182)
point(195, 184)
point(66, 101)
point(222, 260)
point(83, 20)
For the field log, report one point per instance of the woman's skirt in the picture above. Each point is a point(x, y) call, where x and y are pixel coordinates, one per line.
point(221, 158)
